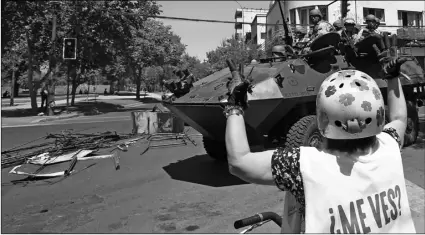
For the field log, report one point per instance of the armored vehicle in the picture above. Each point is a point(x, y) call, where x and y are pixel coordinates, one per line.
point(282, 104)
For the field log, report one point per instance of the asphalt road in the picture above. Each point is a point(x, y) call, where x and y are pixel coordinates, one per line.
point(170, 190)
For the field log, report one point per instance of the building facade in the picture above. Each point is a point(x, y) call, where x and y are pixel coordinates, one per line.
point(393, 15)
point(258, 29)
point(243, 21)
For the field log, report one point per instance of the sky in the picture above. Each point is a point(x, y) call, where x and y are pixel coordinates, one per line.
point(201, 37)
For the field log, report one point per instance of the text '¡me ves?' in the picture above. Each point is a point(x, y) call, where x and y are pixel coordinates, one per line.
point(386, 203)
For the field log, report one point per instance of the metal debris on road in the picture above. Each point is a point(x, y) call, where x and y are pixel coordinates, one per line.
point(178, 139)
point(38, 175)
point(63, 147)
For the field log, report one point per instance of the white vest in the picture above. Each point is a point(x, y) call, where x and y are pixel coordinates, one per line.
point(366, 196)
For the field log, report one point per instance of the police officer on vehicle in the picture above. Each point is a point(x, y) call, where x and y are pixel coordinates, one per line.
point(370, 29)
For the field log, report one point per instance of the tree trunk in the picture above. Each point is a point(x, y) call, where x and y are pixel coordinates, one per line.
point(138, 82)
point(16, 85)
point(111, 87)
point(50, 97)
point(75, 82)
point(52, 63)
point(12, 89)
point(33, 94)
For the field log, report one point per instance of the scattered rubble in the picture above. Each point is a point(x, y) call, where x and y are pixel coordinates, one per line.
point(62, 148)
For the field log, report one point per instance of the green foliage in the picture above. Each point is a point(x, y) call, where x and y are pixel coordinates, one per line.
point(113, 39)
point(234, 49)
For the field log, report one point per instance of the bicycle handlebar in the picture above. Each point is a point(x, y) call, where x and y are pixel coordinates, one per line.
point(260, 217)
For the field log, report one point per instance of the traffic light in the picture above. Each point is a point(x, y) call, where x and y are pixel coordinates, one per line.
point(344, 8)
point(69, 48)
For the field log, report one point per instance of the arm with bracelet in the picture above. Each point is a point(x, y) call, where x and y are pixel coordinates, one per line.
point(251, 167)
point(391, 64)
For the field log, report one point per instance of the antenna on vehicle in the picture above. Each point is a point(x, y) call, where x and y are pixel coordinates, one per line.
point(288, 39)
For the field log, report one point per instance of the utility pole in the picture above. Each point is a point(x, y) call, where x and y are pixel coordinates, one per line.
point(67, 84)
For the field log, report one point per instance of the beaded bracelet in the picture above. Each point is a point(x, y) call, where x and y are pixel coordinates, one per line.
point(232, 110)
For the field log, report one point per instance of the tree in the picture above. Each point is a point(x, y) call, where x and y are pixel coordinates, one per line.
point(29, 22)
point(234, 49)
point(152, 45)
point(198, 69)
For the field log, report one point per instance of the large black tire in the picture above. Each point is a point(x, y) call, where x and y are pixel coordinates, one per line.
point(215, 149)
point(412, 129)
point(304, 133)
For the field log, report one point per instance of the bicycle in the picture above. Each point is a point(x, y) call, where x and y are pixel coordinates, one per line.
point(260, 219)
point(257, 221)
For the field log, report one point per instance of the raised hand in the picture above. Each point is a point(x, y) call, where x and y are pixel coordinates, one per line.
point(388, 58)
point(238, 87)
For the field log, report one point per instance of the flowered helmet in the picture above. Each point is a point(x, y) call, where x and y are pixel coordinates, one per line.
point(349, 105)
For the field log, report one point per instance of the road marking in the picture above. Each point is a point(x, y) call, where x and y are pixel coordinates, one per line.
point(62, 123)
point(89, 117)
point(134, 105)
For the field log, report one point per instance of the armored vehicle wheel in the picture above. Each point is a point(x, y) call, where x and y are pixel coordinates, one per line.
point(215, 149)
point(304, 133)
point(412, 129)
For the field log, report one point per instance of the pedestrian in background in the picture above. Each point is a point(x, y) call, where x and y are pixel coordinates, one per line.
point(43, 94)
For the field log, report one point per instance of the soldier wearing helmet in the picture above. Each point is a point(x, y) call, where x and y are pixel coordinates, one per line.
point(370, 29)
point(320, 26)
point(278, 52)
point(358, 165)
point(339, 26)
point(350, 27)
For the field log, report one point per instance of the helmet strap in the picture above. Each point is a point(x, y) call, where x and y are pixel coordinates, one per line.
point(353, 126)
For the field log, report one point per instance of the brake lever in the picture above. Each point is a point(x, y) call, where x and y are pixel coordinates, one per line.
point(252, 227)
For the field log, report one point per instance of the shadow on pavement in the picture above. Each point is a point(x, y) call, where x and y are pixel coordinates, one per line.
point(85, 108)
point(19, 113)
point(420, 141)
point(202, 169)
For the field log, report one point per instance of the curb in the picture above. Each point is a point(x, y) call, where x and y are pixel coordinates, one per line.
point(56, 118)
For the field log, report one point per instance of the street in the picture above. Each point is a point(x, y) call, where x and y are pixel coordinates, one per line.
point(169, 190)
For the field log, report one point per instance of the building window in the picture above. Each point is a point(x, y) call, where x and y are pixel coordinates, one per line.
point(378, 13)
point(270, 34)
point(292, 16)
point(410, 18)
point(324, 10)
point(263, 35)
point(303, 17)
point(238, 25)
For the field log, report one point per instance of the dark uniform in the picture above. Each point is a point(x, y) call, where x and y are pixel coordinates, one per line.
point(370, 29)
point(321, 27)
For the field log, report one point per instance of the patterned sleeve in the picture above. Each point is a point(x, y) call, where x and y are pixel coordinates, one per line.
point(324, 28)
point(287, 173)
point(393, 133)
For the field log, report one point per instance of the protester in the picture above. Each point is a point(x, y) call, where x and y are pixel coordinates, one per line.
point(354, 182)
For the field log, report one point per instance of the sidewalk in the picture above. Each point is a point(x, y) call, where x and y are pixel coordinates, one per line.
point(9, 121)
